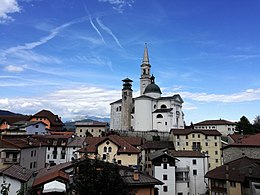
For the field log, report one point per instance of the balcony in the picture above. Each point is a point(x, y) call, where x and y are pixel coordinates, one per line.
point(196, 148)
point(10, 160)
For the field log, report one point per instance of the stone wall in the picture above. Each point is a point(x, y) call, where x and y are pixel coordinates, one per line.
point(148, 135)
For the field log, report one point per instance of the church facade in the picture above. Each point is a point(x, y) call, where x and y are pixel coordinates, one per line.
point(150, 110)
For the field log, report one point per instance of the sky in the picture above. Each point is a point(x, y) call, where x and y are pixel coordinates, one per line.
point(69, 56)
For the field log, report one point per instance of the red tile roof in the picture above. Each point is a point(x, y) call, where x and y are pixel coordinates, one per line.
point(186, 153)
point(215, 122)
point(17, 172)
point(24, 142)
point(134, 141)
point(250, 141)
point(124, 147)
point(158, 145)
point(189, 131)
point(14, 119)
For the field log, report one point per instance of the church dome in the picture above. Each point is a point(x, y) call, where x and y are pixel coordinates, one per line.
point(152, 88)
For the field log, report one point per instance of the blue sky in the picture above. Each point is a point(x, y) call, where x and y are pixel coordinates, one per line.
point(70, 56)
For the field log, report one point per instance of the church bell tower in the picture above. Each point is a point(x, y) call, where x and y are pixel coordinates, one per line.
point(145, 71)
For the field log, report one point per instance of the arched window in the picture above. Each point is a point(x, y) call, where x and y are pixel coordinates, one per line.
point(109, 149)
point(163, 106)
point(159, 116)
point(119, 108)
point(105, 149)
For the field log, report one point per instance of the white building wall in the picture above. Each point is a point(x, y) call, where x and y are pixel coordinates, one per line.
point(143, 115)
point(115, 116)
point(159, 171)
point(36, 129)
point(58, 159)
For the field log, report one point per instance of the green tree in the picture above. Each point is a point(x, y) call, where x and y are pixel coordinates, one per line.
point(96, 177)
point(244, 126)
point(256, 124)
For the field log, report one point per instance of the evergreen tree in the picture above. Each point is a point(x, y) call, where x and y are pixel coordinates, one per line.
point(96, 177)
point(244, 126)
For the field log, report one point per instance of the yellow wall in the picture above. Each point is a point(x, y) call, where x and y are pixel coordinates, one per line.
point(234, 190)
point(95, 131)
point(145, 191)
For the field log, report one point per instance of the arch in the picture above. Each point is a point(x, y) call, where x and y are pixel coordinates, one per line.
point(159, 116)
point(105, 149)
point(109, 149)
point(163, 106)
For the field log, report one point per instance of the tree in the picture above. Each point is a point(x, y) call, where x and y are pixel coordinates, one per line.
point(244, 126)
point(256, 124)
point(98, 178)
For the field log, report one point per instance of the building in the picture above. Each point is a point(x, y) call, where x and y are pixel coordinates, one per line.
point(53, 122)
point(92, 128)
point(205, 141)
point(181, 171)
point(19, 179)
point(149, 111)
point(112, 149)
point(238, 177)
point(223, 126)
point(244, 146)
point(6, 122)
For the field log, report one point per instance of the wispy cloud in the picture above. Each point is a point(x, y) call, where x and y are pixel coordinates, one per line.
point(8, 7)
point(244, 96)
point(119, 5)
point(109, 31)
point(12, 68)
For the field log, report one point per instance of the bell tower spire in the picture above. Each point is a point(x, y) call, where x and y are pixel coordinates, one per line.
point(145, 71)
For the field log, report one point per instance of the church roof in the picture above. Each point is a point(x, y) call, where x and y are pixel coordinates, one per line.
point(152, 88)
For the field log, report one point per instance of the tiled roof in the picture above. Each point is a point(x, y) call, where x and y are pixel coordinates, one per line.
point(54, 119)
point(50, 173)
point(158, 145)
point(159, 153)
point(91, 124)
point(124, 147)
point(77, 141)
point(53, 140)
point(17, 172)
point(237, 170)
point(186, 153)
point(189, 131)
point(249, 141)
point(14, 119)
point(134, 141)
point(215, 122)
point(127, 175)
point(24, 142)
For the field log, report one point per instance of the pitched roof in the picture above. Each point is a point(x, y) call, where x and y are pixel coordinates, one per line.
point(158, 145)
point(17, 172)
point(124, 147)
point(77, 141)
point(50, 173)
point(249, 141)
point(24, 142)
point(54, 119)
point(91, 124)
point(186, 153)
point(215, 122)
point(14, 119)
point(237, 170)
point(189, 131)
point(134, 141)
point(144, 179)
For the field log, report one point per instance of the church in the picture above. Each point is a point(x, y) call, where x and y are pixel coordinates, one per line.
point(150, 111)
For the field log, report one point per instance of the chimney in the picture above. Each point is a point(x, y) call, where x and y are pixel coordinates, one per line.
point(136, 175)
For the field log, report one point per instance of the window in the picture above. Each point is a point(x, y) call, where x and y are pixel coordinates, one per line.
point(216, 144)
point(216, 152)
point(119, 162)
point(165, 123)
point(206, 137)
point(180, 193)
point(105, 149)
point(187, 137)
point(187, 143)
point(36, 126)
point(215, 137)
point(92, 130)
point(194, 172)
point(34, 152)
point(198, 135)
point(178, 137)
point(164, 166)
point(31, 165)
point(194, 162)
point(178, 143)
point(80, 130)
point(193, 135)
point(34, 164)
point(31, 153)
point(163, 106)
point(165, 188)
point(109, 149)
point(206, 144)
point(164, 177)
point(232, 184)
point(48, 156)
point(129, 154)
point(54, 156)
point(159, 116)
point(104, 157)
point(216, 160)
point(63, 156)
point(164, 159)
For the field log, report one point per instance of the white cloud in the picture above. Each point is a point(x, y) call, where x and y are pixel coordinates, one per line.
point(244, 96)
point(8, 7)
point(119, 5)
point(12, 68)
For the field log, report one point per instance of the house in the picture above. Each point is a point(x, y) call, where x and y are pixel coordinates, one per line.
point(181, 171)
point(223, 126)
point(150, 110)
point(244, 146)
point(19, 178)
point(92, 128)
point(26, 152)
point(27, 127)
point(53, 122)
point(139, 182)
point(149, 147)
point(238, 177)
point(112, 148)
point(205, 141)
point(7, 122)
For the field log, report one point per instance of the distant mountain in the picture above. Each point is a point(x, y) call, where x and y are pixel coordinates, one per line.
point(8, 113)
